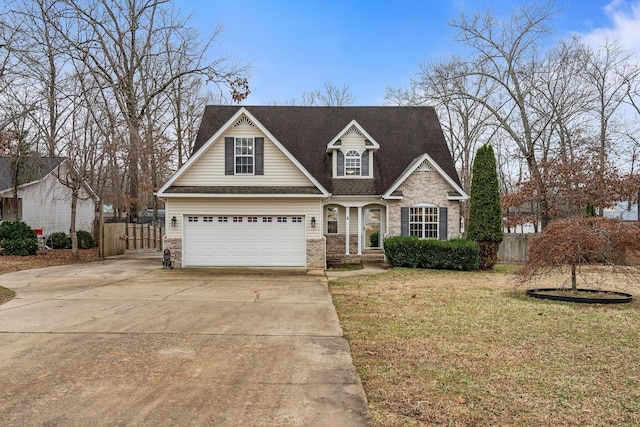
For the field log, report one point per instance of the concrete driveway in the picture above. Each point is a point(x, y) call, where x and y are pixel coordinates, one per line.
point(123, 342)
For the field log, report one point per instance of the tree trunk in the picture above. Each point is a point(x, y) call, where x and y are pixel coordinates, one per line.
point(574, 287)
point(72, 229)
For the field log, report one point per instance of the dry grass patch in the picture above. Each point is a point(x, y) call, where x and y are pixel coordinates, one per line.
point(458, 348)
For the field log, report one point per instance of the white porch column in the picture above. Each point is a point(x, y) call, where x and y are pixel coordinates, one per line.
point(359, 230)
point(346, 234)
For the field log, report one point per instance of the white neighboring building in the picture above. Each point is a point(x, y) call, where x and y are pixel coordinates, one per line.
point(622, 210)
point(44, 203)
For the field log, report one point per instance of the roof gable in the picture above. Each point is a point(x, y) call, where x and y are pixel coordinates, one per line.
point(40, 169)
point(402, 134)
point(240, 119)
point(426, 163)
point(352, 127)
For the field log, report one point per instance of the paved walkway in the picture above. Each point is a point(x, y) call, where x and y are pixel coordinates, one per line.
point(123, 342)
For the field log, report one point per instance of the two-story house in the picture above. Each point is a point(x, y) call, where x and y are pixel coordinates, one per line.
point(288, 186)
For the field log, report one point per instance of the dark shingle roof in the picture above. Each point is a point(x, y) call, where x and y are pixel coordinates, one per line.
point(404, 133)
point(38, 169)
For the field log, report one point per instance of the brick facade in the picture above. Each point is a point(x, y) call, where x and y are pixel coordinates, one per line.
point(315, 254)
point(174, 244)
point(425, 187)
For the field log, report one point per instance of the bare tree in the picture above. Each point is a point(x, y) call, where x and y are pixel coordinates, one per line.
point(608, 72)
point(466, 122)
point(329, 95)
point(120, 42)
point(507, 54)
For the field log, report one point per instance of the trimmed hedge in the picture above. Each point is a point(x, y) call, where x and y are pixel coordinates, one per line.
point(410, 251)
point(17, 238)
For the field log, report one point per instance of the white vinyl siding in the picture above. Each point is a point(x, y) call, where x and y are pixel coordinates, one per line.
point(357, 143)
point(209, 169)
point(46, 205)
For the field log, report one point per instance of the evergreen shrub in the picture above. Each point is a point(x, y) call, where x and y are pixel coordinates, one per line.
point(59, 240)
point(410, 251)
point(85, 240)
point(17, 238)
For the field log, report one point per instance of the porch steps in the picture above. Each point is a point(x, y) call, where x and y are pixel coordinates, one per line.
point(367, 257)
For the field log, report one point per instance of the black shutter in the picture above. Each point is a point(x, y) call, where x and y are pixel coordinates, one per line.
point(442, 223)
point(229, 147)
point(259, 156)
point(340, 163)
point(365, 163)
point(404, 221)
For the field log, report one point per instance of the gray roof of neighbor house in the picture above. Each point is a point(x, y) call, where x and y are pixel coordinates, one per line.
point(39, 168)
point(403, 133)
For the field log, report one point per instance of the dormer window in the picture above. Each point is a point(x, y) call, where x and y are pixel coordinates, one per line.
point(352, 163)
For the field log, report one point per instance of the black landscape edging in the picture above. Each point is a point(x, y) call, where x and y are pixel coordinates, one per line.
point(623, 296)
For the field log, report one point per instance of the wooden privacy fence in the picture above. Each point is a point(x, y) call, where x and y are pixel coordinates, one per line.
point(143, 236)
point(119, 237)
point(113, 239)
point(515, 247)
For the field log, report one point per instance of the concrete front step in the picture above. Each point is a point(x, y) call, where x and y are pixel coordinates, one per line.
point(366, 257)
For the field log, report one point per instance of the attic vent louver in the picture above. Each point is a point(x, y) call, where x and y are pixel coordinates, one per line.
point(353, 131)
point(244, 122)
point(425, 166)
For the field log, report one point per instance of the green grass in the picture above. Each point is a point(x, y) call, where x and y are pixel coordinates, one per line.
point(469, 348)
point(6, 295)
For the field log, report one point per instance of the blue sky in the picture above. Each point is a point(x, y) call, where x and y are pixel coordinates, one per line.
point(298, 46)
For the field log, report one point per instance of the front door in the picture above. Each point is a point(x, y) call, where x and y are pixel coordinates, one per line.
point(372, 238)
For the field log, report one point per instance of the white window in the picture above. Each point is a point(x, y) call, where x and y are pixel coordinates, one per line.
point(282, 219)
point(423, 222)
point(244, 159)
point(352, 162)
point(192, 219)
point(237, 219)
point(332, 220)
point(223, 219)
point(252, 219)
point(207, 219)
point(267, 219)
point(297, 219)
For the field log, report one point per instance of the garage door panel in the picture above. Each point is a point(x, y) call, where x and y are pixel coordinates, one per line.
point(244, 241)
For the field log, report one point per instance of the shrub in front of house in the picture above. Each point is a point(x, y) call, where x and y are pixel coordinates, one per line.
point(85, 240)
point(17, 238)
point(59, 240)
point(410, 251)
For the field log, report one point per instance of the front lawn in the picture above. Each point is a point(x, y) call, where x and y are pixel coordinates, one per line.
point(468, 348)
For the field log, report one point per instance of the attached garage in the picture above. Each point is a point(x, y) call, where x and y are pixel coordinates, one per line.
point(244, 241)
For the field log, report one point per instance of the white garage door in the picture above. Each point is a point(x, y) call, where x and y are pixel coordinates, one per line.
point(244, 241)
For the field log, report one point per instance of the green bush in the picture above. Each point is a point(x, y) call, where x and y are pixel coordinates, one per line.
point(410, 251)
point(17, 238)
point(59, 240)
point(85, 240)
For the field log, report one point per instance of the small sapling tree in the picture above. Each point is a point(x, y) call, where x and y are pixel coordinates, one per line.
point(584, 241)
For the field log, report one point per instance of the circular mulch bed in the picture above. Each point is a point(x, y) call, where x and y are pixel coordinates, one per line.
point(586, 296)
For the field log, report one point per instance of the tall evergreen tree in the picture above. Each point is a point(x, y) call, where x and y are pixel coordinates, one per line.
point(485, 212)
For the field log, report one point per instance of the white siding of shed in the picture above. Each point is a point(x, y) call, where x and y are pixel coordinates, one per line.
point(46, 205)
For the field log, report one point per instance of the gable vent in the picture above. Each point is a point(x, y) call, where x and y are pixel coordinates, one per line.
point(244, 122)
point(425, 166)
point(353, 131)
